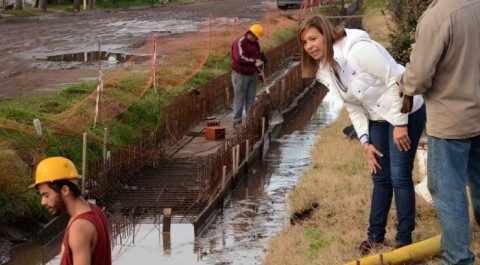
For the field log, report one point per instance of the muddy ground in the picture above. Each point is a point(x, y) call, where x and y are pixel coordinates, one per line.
point(25, 44)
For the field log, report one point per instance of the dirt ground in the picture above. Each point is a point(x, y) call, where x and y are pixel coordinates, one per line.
point(25, 44)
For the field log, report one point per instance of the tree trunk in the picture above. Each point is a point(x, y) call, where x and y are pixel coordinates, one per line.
point(76, 5)
point(19, 4)
point(43, 5)
point(91, 4)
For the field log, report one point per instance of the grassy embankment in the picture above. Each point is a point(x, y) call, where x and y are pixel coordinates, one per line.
point(339, 182)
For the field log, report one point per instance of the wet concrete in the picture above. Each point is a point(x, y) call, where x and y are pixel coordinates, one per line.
point(254, 213)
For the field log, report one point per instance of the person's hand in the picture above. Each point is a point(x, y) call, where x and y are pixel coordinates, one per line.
point(371, 153)
point(407, 104)
point(258, 63)
point(263, 58)
point(401, 139)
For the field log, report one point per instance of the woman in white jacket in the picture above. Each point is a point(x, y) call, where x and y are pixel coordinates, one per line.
point(363, 75)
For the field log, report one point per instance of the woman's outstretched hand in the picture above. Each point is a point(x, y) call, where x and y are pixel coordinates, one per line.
point(371, 153)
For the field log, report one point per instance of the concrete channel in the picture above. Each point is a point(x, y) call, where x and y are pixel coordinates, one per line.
point(176, 183)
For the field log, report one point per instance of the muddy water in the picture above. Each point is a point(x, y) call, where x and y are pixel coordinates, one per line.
point(255, 212)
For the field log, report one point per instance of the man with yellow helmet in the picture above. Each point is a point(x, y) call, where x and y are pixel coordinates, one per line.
point(246, 60)
point(86, 239)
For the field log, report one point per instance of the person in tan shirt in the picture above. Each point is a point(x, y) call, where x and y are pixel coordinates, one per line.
point(445, 68)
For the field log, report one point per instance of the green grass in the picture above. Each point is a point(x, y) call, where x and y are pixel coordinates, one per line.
point(43, 105)
point(372, 4)
point(19, 13)
point(283, 36)
point(316, 241)
point(22, 206)
point(125, 4)
point(351, 166)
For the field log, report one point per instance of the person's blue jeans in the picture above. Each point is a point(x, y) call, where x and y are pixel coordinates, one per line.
point(395, 178)
point(245, 89)
point(452, 165)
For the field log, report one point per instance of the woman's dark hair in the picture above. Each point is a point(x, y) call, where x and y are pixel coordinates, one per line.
point(57, 185)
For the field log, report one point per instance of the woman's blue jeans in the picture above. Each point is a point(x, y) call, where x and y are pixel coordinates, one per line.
point(395, 178)
point(452, 165)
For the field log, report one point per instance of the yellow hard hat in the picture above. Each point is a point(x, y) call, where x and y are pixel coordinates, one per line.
point(257, 30)
point(55, 168)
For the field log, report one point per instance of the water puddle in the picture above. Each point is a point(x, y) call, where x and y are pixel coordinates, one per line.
point(255, 212)
point(90, 60)
point(95, 56)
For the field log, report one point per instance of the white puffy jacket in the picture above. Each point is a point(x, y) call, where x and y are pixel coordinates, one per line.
point(368, 82)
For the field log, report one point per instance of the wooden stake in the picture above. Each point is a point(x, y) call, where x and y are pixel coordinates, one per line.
point(167, 219)
point(224, 176)
point(84, 163)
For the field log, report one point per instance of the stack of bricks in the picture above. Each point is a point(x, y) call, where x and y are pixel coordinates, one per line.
point(214, 131)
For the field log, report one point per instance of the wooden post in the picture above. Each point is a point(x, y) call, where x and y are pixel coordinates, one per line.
point(167, 219)
point(84, 163)
point(105, 141)
point(167, 243)
point(234, 172)
point(224, 176)
point(247, 151)
point(263, 127)
point(237, 159)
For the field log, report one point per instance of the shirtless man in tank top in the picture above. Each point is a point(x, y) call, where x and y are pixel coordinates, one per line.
point(86, 240)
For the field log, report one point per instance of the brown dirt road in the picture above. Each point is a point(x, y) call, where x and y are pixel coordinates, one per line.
point(25, 44)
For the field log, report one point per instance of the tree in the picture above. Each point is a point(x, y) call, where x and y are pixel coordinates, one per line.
point(91, 4)
point(404, 15)
point(18, 4)
point(42, 4)
point(76, 5)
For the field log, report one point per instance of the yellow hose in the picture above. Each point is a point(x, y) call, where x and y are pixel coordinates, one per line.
point(412, 253)
point(409, 254)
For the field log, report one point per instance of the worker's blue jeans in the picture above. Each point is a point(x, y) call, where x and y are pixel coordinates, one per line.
point(245, 88)
point(452, 165)
point(395, 178)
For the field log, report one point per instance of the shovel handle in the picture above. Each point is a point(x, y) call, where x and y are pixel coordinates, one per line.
point(263, 78)
point(262, 74)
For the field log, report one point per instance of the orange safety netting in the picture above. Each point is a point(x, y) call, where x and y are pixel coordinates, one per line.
point(177, 59)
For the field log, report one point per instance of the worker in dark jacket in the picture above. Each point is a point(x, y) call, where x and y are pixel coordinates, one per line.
point(246, 63)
